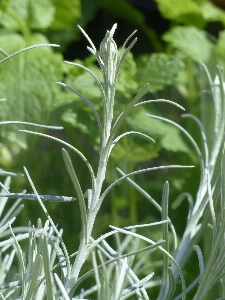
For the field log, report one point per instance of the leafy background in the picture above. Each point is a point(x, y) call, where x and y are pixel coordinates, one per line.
point(173, 40)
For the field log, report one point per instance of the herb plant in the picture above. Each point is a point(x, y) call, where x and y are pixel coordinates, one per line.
point(118, 273)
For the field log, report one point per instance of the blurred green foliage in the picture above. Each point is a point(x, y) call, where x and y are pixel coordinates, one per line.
point(171, 67)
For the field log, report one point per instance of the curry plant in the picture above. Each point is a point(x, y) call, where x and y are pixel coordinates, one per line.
point(116, 272)
point(110, 61)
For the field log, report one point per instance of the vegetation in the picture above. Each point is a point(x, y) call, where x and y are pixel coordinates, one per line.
point(139, 220)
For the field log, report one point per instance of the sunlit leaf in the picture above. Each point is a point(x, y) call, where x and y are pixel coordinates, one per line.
point(159, 70)
point(28, 84)
point(182, 11)
point(168, 135)
point(190, 41)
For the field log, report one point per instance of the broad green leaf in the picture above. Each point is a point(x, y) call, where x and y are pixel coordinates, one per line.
point(169, 136)
point(70, 117)
point(190, 41)
point(159, 70)
point(211, 12)
point(28, 84)
point(135, 150)
point(36, 14)
point(13, 12)
point(10, 43)
point(86, 84)
point(40, 13)
point(220, 47)
point(181, 11)
point(67, 13)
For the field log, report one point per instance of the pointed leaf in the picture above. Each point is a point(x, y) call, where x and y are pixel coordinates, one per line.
point(77, 187)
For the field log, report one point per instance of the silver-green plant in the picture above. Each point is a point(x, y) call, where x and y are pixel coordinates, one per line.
point(117, 273)
point(11, 236)
point(110, 61)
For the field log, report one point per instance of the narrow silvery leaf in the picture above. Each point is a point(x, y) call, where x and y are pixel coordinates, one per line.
point(200, 260)
point(159, 100)
point(31, 124)
point(47, 271)
point(69, 146)
point(50, 220)
point(86, 101)
point(34, 278)
point(42, 197)
point(161, 249)
point(4, 227)
point(62, 288)
point(124, 53)
point(145, 136)
point(105, 277)
point(4, 199)
point(124, 44)
point(138, 172)
point(203, 136)
point(211, 206)
point(127, 110)
point(172, 285)
point(14, 211)
point(121, 279)
point(5, 265)
point(25, 49)
point(165, 275)
point(96, 272)
point(77, 187)
point(5, 173)
point(21, 262)
point(137, 284)
point(222, 179)
point(92, 74)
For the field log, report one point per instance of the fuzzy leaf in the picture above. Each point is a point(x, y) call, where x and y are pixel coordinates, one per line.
point(135, 150)
point(40, 13)
point(158, 70)
point(67, 12)
point(36, 14)
point(211, 12)
point(182, 11)
point(16, 7)
point(28, 83)
point(169, 136)
point(220, 47)
point(190, 41)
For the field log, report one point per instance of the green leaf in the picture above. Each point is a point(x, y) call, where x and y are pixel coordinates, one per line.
point(135, 150)
point(181, 11)
point(212, 12)
point(190, 41)
point(7, 45)
point(159, 70)
point(28, 84)
point(169, 136)
point(40, 13)
point(12, 13)
point(67, 13)
point(220, 47)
